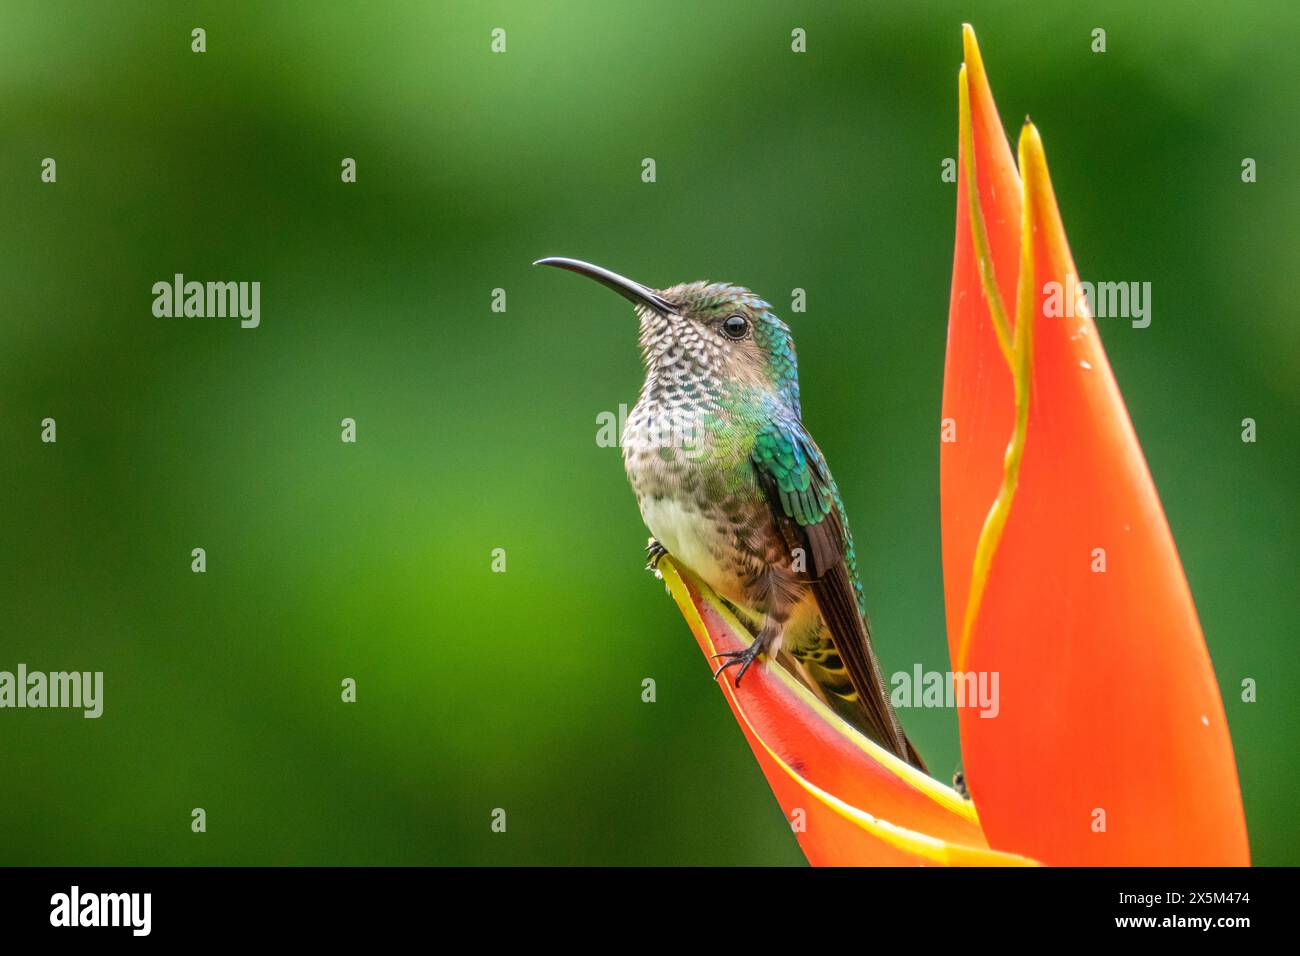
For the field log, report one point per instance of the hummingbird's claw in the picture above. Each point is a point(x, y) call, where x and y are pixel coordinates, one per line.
point(653, 552)
point(742, 658)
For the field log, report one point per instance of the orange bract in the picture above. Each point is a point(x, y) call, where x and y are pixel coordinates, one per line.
point(1110, 713)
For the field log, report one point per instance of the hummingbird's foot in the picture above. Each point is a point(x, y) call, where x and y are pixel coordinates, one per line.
point(653, 552)
point(742, 659)
point(768, 637)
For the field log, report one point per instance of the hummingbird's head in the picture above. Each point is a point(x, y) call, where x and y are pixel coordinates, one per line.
point(705, 334)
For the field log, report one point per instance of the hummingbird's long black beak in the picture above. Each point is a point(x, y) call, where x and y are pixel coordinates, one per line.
point(634, 292)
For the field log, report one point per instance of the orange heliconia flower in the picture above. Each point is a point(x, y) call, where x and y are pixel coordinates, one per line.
point(1110, 745)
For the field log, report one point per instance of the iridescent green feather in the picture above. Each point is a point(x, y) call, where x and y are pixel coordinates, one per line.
point(782, 447)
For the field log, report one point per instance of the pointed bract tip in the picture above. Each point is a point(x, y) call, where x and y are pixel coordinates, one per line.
point(1030, 145)
point(970, 46)
point(1040, 199)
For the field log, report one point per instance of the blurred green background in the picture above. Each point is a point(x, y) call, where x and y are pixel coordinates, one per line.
point(476, 430)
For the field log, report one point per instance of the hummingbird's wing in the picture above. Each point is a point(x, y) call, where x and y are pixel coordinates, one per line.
point(809, 514)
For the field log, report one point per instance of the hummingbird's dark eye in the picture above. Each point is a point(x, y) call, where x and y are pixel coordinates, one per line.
point(735, 327)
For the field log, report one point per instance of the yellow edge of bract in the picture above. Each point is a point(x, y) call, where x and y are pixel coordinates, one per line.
point(919, 844)
point(978, 230)
point(943, 795)
point(1021, 361)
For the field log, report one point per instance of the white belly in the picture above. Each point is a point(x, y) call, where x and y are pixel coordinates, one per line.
point(690, 539)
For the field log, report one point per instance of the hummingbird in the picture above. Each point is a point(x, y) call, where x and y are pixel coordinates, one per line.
point(732, 486)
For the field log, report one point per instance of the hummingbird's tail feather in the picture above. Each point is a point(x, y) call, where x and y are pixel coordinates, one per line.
point(822, 669)
point(837, 601)
point(828, 676)
point(914, 758)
